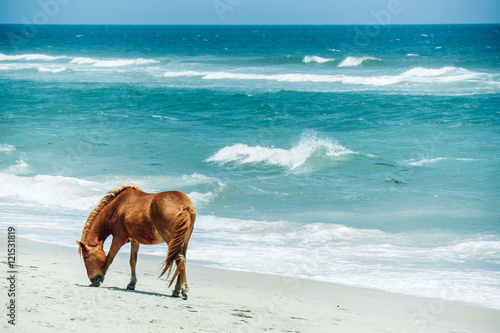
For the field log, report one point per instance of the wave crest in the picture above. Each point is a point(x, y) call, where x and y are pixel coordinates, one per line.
point(357, 61)
point(308, 146)
point(429, 72)
point(316, 59)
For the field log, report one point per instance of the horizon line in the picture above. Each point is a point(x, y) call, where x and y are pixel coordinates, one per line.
point(244, 24)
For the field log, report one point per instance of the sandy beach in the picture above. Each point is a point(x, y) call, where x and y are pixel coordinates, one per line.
point(52, 295)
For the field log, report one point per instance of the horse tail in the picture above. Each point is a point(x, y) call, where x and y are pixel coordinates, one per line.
point(183, 224)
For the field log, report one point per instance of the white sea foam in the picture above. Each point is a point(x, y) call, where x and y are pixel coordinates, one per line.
point(243, 154)
point(267, 77)
point(112, 62)
point(239, 76)
point(356, 61)
point(7, 67)
point(19, 168)
point(316, 59)
point(352, 256)
point(29, 57)
point(210, 223)
point(83, 61)
point(430, 72)
point(293, 158)
point(51, 69)
point(80, 194)
point(165, 117)
point(66, 192)
point(425, 161)
point(415, 75)
point(200, 199)
point(476, 250)
point(124, 62)
point(441, 75)
point(183, 73)
point(6, 148)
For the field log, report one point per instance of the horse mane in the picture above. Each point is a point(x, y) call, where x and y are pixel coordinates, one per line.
point(104, 202)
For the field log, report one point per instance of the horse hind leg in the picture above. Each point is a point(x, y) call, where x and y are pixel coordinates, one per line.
point(181, 284)
point(134, 249)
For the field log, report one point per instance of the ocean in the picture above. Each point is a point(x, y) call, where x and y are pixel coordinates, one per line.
point(363, 156)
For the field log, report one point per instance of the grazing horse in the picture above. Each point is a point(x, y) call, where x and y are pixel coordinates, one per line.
point(130, 215)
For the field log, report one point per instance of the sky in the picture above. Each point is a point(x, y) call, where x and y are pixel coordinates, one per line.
point(249, 11)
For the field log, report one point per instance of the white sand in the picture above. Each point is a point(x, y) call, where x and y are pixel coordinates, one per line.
point(52, 295)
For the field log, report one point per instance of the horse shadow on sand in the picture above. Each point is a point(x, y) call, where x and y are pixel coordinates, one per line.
point(141, 292)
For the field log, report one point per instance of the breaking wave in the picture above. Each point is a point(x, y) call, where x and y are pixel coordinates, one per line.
point(316, 59)
point(308, 146)
point(357, 61)
point(415, 75)
point(106, 62)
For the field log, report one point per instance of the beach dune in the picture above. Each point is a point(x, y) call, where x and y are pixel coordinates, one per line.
point(53, 295)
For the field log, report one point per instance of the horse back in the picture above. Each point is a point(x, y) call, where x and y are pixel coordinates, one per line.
point(171, 202)
point(147, 218)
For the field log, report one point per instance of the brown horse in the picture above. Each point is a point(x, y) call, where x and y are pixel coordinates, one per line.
point(130, 215)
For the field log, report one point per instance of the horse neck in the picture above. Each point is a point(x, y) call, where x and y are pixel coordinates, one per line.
point(99, 230)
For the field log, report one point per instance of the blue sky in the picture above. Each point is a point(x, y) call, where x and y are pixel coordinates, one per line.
point(249, 11)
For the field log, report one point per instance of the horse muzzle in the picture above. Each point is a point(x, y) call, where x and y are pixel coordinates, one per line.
point(96, 280)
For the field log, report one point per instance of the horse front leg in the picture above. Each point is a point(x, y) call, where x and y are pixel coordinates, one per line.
point(134, 249)
point(116, 244)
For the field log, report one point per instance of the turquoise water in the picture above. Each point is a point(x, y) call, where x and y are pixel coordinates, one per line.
point(330, 153)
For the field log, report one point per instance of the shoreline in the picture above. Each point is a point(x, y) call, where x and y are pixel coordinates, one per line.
point(52, 294)
point(124, 254)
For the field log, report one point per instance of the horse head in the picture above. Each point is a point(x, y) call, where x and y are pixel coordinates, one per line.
point(94, 258)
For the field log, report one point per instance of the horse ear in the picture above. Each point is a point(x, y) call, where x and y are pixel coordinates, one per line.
point(82, 246)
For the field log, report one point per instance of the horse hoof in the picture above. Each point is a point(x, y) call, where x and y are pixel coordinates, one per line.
point(175, 294)
point(130, 287)
point(184, 296)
